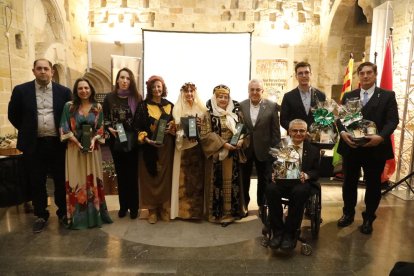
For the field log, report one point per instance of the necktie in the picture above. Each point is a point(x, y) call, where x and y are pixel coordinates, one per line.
point(365, 99)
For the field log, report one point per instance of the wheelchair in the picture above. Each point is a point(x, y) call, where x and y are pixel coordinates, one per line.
point(313, 209)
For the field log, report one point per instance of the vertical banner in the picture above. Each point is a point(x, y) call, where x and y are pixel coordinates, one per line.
point(274, 74)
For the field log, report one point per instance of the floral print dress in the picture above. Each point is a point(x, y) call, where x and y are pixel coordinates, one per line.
point(85, 198)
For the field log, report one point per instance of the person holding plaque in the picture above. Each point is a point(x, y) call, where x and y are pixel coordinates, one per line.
point(82, 126)
point(380, 107)
point(155, 126)
point(187, 195)
point(119, 109)
point(222, 138)
point(284, 233)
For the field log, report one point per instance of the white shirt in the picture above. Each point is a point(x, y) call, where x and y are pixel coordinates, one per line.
point(45, 118)
point(254, 111)
point(370, 92)
point(306, 99)
point(299, 150)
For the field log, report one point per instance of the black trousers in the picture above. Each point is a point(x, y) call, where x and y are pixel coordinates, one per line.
point(373, 168)
point(264, 175)
point(297, 194)
point(126, 167)
point(48, 157)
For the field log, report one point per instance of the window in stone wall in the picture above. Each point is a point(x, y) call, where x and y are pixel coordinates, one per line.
point(103, 3)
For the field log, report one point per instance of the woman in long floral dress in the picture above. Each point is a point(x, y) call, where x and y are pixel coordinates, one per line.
point(85, 198)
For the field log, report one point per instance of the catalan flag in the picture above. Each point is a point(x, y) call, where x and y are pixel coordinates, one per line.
point(347, 86)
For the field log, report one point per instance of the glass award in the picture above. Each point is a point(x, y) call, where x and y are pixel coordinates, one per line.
point(86, 137)
point(189, 125)
point(192, 127)
point(236, 136)
point(121, 132)
point(159, 133)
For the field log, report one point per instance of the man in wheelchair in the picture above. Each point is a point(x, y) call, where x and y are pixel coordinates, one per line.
point(285, 233)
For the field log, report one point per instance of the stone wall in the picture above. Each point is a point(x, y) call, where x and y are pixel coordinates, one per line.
point(53, 29)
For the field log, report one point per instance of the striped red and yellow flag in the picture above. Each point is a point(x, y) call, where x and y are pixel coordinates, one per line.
point(347, 85)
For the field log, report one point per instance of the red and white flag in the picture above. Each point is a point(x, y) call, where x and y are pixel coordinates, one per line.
point(386, 83)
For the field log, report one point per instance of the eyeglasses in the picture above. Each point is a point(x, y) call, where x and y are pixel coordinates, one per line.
point(301, 131)
point(304, 73)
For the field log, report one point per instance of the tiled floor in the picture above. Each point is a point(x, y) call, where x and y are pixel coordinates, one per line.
point(133, 247)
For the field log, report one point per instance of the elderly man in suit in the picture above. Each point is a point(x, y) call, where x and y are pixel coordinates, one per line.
point(379, 106)
point(284, 233)
point(262, 121)
point(35, 109)
point(296, 104)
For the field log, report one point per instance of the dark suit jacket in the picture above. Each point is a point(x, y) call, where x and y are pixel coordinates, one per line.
point(265, 133)
point(292, 107)
point(382, 109)
point(22, 112)
point(310, 161)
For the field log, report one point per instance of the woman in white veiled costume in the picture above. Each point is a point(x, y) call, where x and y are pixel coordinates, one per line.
point(187, 195)
point(224, 189)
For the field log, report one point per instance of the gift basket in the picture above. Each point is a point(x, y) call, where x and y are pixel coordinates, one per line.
point(323, 130)
point(354, 123)
point(287, 163)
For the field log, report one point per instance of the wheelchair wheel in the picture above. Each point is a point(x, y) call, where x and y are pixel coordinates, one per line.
point(306, 249)
point(315, 215)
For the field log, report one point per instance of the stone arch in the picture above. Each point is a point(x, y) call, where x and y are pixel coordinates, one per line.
point(99, 78)
point(347, 32)
point(48, 33)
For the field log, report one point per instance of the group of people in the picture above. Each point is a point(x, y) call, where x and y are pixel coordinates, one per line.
point(179, 175)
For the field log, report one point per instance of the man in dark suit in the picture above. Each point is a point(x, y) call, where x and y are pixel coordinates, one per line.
point(296, 104)
point(379, 106)
point(35, 109)
point(284, 234)
point(262, 123)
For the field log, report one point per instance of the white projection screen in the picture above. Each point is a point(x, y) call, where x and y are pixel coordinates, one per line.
point(205, 59)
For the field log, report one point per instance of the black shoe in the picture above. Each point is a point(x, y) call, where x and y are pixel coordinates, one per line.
point(133, 214)
point(275, 241)
point(39, 225)
point(366, 227)
point(345, 221)
point(122, 213)
point(288, 242)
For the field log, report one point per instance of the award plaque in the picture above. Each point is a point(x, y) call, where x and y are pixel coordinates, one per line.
point(159, 133)
point(189, 125)
point(86, 137)
point(121, 132)
point(236, 136)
